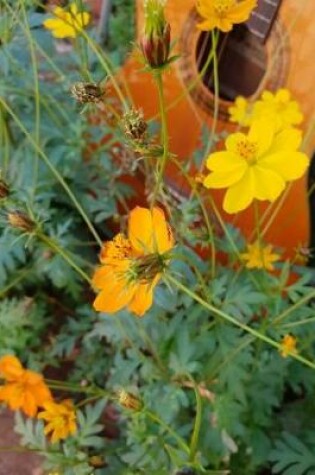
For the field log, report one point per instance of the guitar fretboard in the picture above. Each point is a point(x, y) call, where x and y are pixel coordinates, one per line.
point(263, 17)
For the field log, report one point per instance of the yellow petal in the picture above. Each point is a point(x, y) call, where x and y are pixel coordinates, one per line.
point(287, 139)
point(267, 184)
point(224, 179)
point(289, 165)
point(240, 195)
point(225, 160)
point(262, 132)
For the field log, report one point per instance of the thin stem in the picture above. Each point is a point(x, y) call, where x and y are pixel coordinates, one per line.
point(164, 135)
point(235, 322)
point(214, 36)
point(54, 171)
point(36, 99)
point(165, 426)
point(55, 247)
point(197, 425)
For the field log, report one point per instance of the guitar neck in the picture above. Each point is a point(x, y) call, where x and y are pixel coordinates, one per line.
point(262, 18)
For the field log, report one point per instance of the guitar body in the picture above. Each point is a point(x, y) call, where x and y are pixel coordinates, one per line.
point(284, 60)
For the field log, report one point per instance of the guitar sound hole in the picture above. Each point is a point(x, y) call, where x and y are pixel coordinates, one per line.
point(242, 62)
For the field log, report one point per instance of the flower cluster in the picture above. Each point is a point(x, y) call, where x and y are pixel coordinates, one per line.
point(132, 266)
point(279, 108)
point(27, 391)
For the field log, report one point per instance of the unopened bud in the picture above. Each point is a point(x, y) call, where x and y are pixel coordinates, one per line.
point(135, 126)
point(97, 461)
point(156, 40)
point(129, 401)
point(4, 189)
point(19, 220)
point(85, 92)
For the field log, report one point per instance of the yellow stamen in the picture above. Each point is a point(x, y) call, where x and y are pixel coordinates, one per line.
point(248, 150)
point(222, 7)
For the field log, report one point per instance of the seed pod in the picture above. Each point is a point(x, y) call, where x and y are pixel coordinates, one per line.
point(135, 126)
point(86, 92)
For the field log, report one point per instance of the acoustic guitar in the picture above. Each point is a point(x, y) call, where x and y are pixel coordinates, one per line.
point(273, 50)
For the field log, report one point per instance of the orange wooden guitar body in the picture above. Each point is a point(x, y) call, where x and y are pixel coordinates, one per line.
point(290, 64)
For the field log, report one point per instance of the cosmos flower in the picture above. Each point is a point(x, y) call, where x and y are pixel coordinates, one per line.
point(67, 24)
point(259, 256)
point(257, 165)
point(60, 419)
point(132, 266)
point(23, 389)
point(223, 14)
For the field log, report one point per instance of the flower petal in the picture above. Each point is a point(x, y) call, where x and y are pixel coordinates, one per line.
point(268, 185)
point(148, 231)
point(287, 139)
point(143, 297)
point(262, 132)
point(226, 178)
point(289, 165)
point(240, 195)
point(225, 160)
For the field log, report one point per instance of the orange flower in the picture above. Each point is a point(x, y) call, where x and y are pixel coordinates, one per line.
point(288, 346)
point(24, 389)
point(132, 267)
point(61, 419)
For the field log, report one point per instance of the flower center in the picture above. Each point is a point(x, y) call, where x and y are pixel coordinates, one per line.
point(222, 7)
point(248, 150)
point(119, 248)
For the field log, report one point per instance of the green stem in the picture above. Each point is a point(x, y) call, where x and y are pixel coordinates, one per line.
point(164, 135)
point(54, 171)
point(55, 247)
point(235, 322)
point(197, 425)
point(36, 98)
point(165, 426)
point(215, 36)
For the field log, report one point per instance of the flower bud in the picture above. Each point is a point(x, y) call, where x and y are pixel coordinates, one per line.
point(4, 189)
point(129, 401)
point(19, 220)
point(85, 92)
point(97, 461)
point(156, 39)
point(135, 126)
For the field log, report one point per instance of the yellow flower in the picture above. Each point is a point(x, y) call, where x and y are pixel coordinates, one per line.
point(223, 14)
point(278, 107)
point(60, 418)
point(240, 112)
point(259, 257)
point(24, 390)
point(131, 267)
point(256, 165)
point(67, 24)
point(288, 345)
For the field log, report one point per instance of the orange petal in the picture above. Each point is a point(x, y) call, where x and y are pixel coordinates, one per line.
point(115, 296)
point(10, 368)
point(148, 231)
point(143, 297)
